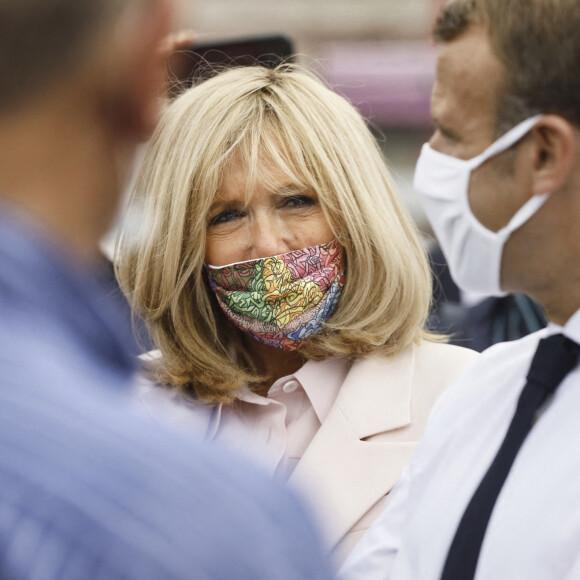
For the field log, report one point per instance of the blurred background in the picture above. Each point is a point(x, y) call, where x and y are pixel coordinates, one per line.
point(377, 53)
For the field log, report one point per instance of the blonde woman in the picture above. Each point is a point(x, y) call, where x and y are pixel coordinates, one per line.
point(286, 288)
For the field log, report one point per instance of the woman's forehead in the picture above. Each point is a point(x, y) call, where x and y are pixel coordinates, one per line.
point(243, 177)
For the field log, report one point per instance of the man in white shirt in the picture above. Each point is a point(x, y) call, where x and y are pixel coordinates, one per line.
point(500, 182)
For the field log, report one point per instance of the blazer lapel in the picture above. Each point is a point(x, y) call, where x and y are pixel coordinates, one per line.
point(350, 475)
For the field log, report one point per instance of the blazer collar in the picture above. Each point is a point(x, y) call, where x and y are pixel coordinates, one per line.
point(350, 475)
point(385, 382)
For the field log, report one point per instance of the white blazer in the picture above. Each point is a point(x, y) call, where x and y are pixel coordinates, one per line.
point(368, 437)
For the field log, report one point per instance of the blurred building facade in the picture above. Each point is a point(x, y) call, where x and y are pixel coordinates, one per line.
point(377, 53)
point(312, 22)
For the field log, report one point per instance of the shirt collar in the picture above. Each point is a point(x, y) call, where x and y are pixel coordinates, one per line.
point(320, 380)
point(571, 329)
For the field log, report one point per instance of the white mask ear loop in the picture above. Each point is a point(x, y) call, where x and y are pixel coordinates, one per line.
point(505, 141)
point(525, 213)
point(502, 144)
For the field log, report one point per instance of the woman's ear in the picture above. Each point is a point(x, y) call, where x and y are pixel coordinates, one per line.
point(554, 153)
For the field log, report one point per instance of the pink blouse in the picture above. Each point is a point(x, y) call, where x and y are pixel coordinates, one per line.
point(275, 430)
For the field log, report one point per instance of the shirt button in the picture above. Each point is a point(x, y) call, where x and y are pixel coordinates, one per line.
point(291, 386)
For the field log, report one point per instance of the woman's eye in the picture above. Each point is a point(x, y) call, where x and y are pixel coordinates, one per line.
point(300, 201)
point(225, 216)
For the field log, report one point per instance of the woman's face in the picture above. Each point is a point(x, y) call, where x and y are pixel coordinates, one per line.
point(280, 217)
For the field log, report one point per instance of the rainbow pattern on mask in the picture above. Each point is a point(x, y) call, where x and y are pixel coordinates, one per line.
point(281, 300)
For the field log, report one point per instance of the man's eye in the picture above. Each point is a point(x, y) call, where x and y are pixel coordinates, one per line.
point(225, 216)
point(447, 134)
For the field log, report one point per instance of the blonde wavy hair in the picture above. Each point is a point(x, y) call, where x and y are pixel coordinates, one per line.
point(288, 119)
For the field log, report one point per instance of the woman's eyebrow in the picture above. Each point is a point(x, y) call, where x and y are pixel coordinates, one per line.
point(291, 189)
point(220, 203)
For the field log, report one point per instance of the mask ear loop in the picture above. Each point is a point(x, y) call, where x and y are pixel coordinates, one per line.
point(505, 141)
point(525, 213)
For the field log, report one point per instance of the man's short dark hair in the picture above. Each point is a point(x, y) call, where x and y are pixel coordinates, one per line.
point(538, 43)
point(40, 40)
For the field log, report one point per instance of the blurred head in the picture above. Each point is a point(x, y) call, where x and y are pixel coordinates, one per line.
point(47, 43)
point(42, 41)
point(81, 81)
point(256, 162)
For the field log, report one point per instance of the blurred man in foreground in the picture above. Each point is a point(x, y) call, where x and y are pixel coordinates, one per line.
point(493, 491)
point(86, 489)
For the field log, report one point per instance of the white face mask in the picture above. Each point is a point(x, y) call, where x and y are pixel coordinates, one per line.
point(473, 252)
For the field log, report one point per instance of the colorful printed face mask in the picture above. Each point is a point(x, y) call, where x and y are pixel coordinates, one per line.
point(281, 300)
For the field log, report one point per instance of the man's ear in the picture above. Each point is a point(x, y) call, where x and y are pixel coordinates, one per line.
point(140, 65)
point(553, 153)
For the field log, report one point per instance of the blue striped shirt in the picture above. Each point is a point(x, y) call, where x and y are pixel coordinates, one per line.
point(87, 489)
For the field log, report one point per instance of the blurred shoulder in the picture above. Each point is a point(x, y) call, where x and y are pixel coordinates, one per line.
point(430, 362)
point(436, 366)
point(444, 356)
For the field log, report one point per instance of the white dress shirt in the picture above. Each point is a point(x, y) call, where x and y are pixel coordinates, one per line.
point(534, 530)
